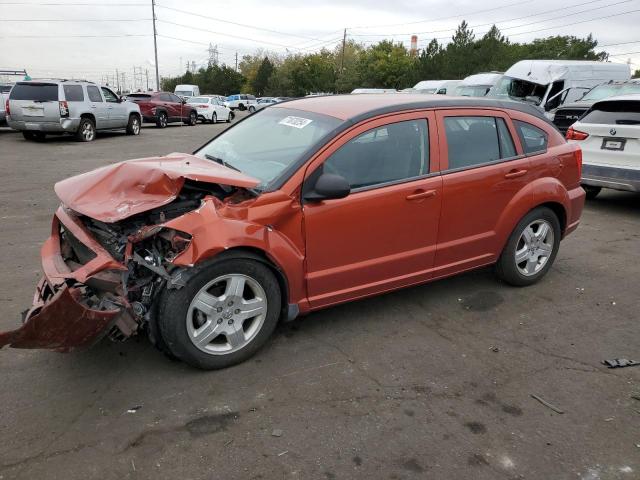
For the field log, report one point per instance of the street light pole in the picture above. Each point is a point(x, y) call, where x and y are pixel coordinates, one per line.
point(155, 42)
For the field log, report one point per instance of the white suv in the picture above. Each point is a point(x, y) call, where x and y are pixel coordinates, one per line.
point(210, 109)
point(241, 102)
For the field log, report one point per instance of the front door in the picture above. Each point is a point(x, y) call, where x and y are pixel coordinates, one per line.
point(482, 173)
point(117, 110)
point(383, 234)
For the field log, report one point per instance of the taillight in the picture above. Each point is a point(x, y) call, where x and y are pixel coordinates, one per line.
point(6, 107)
point(573, 134)
point(64, 108)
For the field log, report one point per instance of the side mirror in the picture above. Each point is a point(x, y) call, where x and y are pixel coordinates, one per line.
point(184, 102)
point(120, 99)
point(329, 186)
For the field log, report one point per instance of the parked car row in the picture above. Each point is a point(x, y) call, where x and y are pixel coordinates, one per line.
point(39, 108)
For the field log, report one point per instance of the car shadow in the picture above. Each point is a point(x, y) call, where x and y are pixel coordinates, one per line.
point(612, 201)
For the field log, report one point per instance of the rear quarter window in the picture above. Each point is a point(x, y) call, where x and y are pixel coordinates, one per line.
point(534, 140)
point(614, 113)
point(73, 93)
point(39, 92)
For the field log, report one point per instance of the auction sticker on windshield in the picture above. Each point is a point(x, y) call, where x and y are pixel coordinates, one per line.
point(296, 122)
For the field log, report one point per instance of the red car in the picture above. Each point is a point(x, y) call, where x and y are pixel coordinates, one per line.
point(303, 205)
point(162, 108)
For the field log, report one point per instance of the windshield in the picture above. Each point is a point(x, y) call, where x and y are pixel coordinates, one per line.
point(427, 90)
point(516, 89)
point(472, 90)
point(184, 93)
point(269, 142)
point(199, 100)
point(604, 91)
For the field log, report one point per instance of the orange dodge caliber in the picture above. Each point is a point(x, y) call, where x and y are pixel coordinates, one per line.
point(303, 205)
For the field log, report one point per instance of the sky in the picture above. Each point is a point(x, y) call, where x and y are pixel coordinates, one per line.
point(93, 39)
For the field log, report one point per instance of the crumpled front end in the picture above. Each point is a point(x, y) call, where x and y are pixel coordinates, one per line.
point(80, 297)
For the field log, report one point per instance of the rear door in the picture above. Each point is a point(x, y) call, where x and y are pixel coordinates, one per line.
point(35, 103)
point(482, 171)
point(98, 107)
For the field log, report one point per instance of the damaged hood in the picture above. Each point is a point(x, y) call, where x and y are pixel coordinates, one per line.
point(124, 189)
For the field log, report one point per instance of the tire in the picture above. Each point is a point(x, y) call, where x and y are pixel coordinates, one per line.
point(162, 120)
point(241, 107)
point(537, 256)
point(179, 320)
point(214, 118)
point(133, 127)
point(193, 119)
point(232, 115)
point(252, 109)
point(86, 130)
point(591, 191)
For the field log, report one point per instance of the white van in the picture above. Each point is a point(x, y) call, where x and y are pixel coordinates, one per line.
point(550, 83)
point(440, 87)
point(478, 85)
point(374, 90)
point(186, 91)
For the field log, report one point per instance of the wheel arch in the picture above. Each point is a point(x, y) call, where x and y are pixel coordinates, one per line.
point(90, 116)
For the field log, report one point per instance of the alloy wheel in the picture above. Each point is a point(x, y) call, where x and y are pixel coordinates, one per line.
point(226, 314)
point(534, 247)
point(88, 132)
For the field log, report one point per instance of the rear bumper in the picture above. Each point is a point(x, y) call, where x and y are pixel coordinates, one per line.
point(617, 178)
point(69, 125)
point(576, 203)
point(73, 309)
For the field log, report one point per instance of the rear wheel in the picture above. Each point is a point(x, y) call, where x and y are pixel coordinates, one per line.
point(252, 109)
point(241, 107)
point(591, 191)
point(162, 120)
point(193, 119)
point(531, 249)
point(133, 127)
point(86, 131)
point(224, 314)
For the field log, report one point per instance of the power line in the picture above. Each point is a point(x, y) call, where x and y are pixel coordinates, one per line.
point(507, 20)
point(443, 18)
point(74, 20)
point(237, 23)
point(191, 27)
point(77, 36)
point(76, 4)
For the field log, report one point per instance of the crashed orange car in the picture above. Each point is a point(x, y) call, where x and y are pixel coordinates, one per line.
point(303, 205)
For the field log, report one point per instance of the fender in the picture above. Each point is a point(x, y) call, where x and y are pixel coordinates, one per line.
point(214, 233)
point(541, 191)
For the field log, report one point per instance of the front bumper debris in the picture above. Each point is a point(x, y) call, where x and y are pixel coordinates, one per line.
point(64, 320)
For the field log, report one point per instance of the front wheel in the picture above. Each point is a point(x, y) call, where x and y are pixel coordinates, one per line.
point(162, 120)
point(531, 249)
point(252, 109)
point(193, 119)
point(224, 314)
point(214, 118)
point(591, 191)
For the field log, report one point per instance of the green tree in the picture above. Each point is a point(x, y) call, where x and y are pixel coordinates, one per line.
point(386, 65)
point(261, 79)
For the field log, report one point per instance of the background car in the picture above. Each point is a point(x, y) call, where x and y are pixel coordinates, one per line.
point(569, 113)
point(5, 88)
point(187, 91)
point(210, 109)
point(265, 102)
point(477, 85)
point(241, 101)
point(41, 107)
point(163, 108)
point(609, 136)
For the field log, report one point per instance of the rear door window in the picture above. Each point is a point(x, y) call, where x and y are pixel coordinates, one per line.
point(474, 141)
point(385, 154)
point(94, 94)
point(534, 140)
point(39, 92)
point(614, 113)
point(73, 93)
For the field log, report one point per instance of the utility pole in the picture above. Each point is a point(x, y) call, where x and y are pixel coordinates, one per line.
point(118, 81)
point(344, 41)
point(146, 74)
point(155, 42)
point(236, 61)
